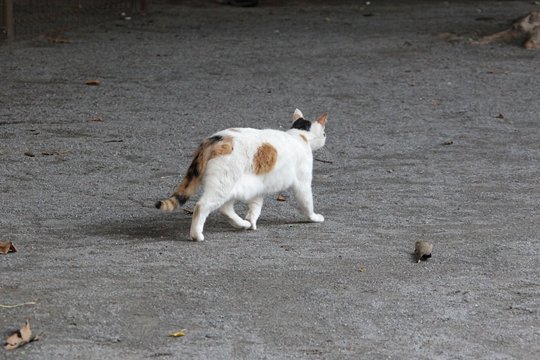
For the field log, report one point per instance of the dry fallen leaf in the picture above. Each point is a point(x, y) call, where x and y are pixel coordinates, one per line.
point(281, 198)
point(527, 27)
point(362, 269)
point(20, 337)
point(7, 247)
point(93, 82)
point(59, 39)
point(450, 37)
point(52, 152)
point(177, 333)
point(422, 250)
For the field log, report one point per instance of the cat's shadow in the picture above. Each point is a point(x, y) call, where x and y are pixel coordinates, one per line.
point(149, 228)
point(166, 228)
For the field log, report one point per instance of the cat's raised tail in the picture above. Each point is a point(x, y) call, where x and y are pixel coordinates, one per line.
point(210, 148)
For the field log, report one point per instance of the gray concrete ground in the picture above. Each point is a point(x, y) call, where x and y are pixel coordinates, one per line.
point(112, 276)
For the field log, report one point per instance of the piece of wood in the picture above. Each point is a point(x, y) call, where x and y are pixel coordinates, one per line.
point(527, 26)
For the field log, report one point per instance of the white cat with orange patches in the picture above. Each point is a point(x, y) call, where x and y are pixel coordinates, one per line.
point(243, 164)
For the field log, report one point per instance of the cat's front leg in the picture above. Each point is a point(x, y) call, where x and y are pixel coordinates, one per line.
point(304, 197)
point(255, 206)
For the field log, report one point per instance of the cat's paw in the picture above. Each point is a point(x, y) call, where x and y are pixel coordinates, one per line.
point(246, 225)
point(253, 225)
point(197, 237)
point(316, 218)
point(241, 224)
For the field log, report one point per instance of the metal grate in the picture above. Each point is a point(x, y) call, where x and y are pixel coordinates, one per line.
point(28, 18)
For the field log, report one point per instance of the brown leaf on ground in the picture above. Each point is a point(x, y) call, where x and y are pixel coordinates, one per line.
point(281, 198)
point(20, 337)
point(422, 250)
point(59, 154)
point(178, 333)
point(51, 152)
point(7, 247)
point(93, 82)
point(59, 39)
point(450, 37)
point(527, 27)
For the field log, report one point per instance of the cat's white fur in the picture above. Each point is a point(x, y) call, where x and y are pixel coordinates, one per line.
point(231, 177)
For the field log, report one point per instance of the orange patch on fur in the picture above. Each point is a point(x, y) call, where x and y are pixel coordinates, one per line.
point(206, 152)
point(304, 138)
point(265, 159)
point(224, 147)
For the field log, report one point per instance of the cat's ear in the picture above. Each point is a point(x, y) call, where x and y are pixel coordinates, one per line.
point(322, 119)
point(297, 115)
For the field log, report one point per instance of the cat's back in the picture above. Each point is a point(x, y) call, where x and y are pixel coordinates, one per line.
point(254, 138)
point(250, 133)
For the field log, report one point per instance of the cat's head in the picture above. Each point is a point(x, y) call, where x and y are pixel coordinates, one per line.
point(315, 128)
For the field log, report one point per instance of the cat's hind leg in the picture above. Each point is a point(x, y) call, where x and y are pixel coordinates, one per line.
point(200, 213)
point(304, 197)
point(236, 221)
point(208, 202)
point(255, 206)
point(217, 193)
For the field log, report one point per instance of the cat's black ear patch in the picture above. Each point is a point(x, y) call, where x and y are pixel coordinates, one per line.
point(301, 124)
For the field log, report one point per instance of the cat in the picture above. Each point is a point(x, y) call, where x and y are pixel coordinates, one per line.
point(245, 164)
